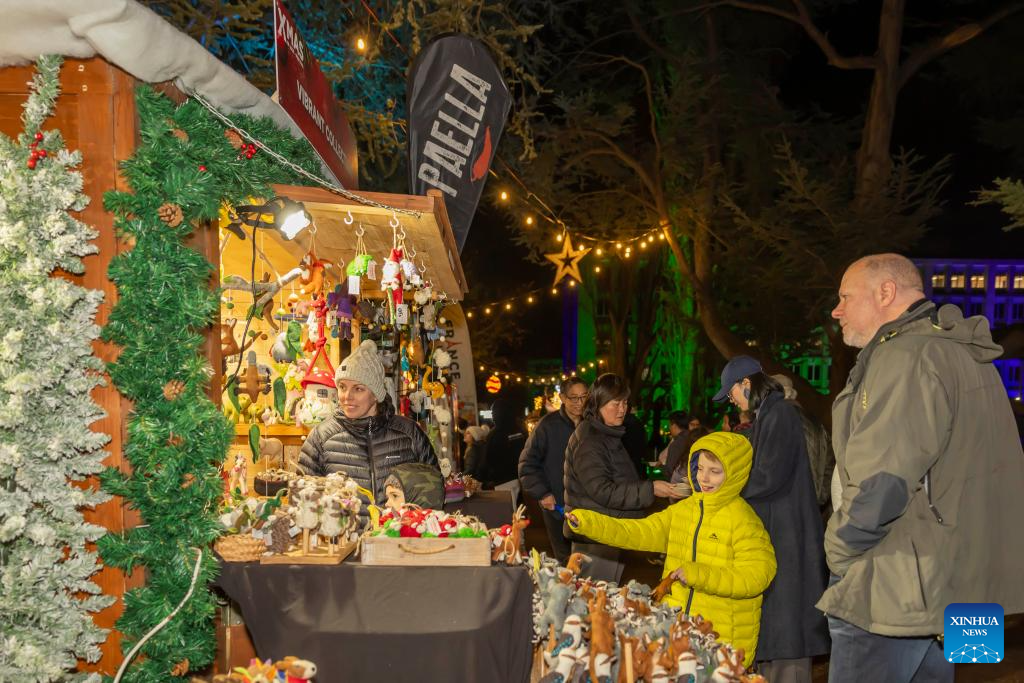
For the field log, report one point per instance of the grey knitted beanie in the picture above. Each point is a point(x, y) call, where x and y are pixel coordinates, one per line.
point(364, 366)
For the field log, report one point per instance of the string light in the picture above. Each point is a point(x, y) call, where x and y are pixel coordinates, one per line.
point(529, 220)
point(508, 307)
point(559, 237)
point(469, 314)
point(554, 290)
point(487, 311)
point(597, 269)
point(572, 283)
point(618, 245)
point(529, 299)
point(599, 251)
point(360, 44)
point(503, 196)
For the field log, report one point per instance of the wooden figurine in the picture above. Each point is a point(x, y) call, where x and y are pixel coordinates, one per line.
point(663, 588)
point(730, 667)
point(686, 660)
point(511, 548)
point(602, 640)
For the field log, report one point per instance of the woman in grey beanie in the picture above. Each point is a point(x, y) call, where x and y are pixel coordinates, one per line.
point(364, 438)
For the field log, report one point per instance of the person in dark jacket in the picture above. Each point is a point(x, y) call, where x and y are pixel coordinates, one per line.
point(542, 460)
point(679, 447)
point(819, 445)
point(476, 440)
point(782, 494)
point(364, 438)
point(600, 476)
point(504, 444)
point(635, 441)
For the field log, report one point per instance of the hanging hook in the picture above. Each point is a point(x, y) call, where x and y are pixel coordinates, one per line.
point(412, 249)
point(360, 231)
point(348, 218)
point(401, 235)
point(422, 268)
point(394, 220)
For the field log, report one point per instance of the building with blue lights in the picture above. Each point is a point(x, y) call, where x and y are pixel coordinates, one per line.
point(993, 288)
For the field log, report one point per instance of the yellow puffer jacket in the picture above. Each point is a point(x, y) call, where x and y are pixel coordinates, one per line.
point(716, 538)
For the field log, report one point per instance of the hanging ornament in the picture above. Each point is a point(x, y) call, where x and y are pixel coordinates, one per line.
point(568, 261)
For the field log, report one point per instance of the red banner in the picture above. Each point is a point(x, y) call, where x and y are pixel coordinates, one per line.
point(303, 92)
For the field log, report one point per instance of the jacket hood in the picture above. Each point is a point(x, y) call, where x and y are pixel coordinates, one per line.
point(948, 322)
point(737, 457)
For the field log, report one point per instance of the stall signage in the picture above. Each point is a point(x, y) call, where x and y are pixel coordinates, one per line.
point(457, 105)
point(305, 94)
point(460, 372)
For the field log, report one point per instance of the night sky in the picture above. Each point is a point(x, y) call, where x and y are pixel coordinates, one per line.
point(939, 112)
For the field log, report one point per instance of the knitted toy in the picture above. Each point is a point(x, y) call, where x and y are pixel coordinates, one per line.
point(391, 281)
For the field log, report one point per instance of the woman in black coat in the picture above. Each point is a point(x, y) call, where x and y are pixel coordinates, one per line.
point(600, 476)
point(781, 492)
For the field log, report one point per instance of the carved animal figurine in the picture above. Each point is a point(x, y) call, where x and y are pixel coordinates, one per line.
point(312, 277)
point(307, 515)
point(730, 666)
point(555, 606)
point(602, 640)
point(570, 640)
point(637, 604)
point(575, 563)
point(333, 519)
point(662, 589)
point(239, 470)
point(512, 547)
point(686, 660)
point(228, 345)
point(663, 663)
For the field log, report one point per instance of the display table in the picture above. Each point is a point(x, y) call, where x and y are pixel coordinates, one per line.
point(362, 623)
point(493, 508)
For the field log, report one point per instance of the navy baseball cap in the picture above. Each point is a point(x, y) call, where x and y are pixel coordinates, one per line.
point(734, 371)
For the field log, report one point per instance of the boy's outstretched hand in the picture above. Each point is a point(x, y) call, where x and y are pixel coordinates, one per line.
point(678, 576)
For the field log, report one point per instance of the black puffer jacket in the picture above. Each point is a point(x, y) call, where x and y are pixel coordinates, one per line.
point(365, 449)
point(600, 476)
point(542, 462)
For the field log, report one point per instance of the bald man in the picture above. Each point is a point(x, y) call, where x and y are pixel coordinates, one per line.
point(931, 478)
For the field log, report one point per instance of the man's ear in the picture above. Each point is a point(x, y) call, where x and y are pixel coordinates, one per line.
point(886, 292)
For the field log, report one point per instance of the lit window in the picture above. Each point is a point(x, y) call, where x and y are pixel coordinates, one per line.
point(957, 281)
point(978, 282)
point(938, 281)
point(1002, 281)
point(1018, 281)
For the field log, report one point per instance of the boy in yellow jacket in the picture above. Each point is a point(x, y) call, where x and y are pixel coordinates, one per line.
point(714, 543)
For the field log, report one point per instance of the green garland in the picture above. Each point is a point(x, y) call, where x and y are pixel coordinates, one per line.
point(47, 371)
point(177, 438)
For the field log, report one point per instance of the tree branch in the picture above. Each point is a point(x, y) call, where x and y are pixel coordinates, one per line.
point(940, 45)
point(802, 18)
point(614, 150)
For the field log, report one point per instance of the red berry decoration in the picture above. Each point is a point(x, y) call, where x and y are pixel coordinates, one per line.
point(32, 163)
point(39, 137)
point(42, 154)
point(202, 167)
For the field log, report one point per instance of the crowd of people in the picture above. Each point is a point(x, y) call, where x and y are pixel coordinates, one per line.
point(922, 489)
point(921, 472)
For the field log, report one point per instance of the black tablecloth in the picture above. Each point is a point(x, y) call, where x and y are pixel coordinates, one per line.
point(360, 623)
point(493, 508)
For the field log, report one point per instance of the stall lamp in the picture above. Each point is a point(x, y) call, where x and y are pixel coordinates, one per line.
point(288, 216)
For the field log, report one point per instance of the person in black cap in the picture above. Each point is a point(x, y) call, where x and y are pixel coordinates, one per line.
point(781, 491)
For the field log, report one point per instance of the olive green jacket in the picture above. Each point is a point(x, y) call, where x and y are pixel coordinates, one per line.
point(932, 478)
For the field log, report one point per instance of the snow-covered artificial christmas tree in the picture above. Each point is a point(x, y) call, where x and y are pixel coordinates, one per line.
point(47, 370)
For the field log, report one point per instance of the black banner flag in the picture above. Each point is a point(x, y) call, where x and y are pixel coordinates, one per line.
point(458, 104)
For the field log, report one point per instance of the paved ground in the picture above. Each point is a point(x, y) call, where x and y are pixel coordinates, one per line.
point(1011, 670)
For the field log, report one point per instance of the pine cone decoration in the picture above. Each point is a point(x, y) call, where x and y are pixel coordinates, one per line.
point(180, 134)
point(170, 214)
point(173, 389)
point(181, 668)
point(174, 441)
point(188, 480)
point(234, 139)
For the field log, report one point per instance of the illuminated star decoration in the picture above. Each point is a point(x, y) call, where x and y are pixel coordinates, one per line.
point(568, 261)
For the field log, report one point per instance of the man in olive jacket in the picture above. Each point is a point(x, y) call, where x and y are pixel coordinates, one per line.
point(931, 474)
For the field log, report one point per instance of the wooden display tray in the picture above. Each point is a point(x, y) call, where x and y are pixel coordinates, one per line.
point(427, 552)
point(317, 555)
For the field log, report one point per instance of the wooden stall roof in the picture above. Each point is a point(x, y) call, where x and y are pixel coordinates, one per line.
point(429, 234)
